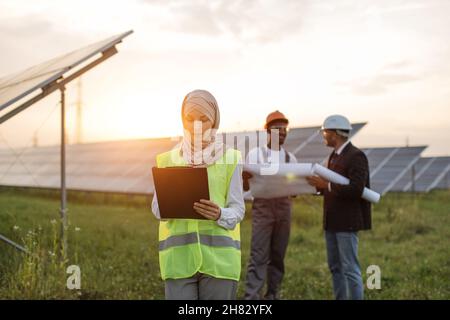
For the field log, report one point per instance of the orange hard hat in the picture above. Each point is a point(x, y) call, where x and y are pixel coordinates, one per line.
point(274, 116)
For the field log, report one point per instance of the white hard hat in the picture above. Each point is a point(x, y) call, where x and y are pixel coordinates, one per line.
point(336, 122)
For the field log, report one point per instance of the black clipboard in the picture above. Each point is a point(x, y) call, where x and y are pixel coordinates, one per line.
point(177, 189)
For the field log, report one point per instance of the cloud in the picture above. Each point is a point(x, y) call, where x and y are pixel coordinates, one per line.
point(12, 28)
point(249, 21)
point(194, 18)
point(397, 6)
point(396, 65)
point(390, 75)
point(31, 39)
point(379, 84)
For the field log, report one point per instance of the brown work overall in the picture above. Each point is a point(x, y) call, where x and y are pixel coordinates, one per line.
point(271, 224)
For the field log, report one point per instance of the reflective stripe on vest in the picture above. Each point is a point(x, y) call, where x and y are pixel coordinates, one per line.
point(179, 240)
point(208, 240)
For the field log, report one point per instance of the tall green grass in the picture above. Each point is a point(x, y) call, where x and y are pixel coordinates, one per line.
point(113, 239)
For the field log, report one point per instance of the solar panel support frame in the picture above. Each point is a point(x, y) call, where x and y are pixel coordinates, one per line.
point(63, 209)
point(58, 84)
point(12, 243)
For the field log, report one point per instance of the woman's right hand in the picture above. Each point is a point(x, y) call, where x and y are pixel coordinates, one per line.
point(208, 209)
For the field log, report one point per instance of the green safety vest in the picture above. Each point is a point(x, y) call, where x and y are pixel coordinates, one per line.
point(188, 246)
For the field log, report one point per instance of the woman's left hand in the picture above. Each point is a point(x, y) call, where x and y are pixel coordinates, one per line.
point(208, 209)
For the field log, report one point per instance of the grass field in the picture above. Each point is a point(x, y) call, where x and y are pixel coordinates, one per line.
point(114, 241)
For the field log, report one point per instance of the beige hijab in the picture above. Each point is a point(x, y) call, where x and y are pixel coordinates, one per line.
point(206, 149)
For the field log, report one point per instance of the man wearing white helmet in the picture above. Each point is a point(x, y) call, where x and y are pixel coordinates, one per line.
point(344, 211)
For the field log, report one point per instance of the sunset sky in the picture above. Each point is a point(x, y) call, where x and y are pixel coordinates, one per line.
point(385, 62)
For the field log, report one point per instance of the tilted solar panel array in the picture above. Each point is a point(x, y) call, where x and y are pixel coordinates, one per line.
point(122, 166)
point(125, 166)
point(437, 172)
point(427, 174)
point(445, 181)
point(18, 85)
point(405, 183)
point(388, 165)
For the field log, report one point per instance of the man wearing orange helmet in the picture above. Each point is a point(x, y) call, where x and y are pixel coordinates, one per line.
point(271, 218)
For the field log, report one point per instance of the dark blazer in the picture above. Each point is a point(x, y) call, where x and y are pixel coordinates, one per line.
point(344, 210)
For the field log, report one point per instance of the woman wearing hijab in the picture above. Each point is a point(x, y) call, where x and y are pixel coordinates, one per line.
point(201, 259)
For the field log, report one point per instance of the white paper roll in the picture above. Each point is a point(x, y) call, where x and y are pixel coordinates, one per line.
point(280, 169)
point(371, 195)
point(269, 187)
point(334, 177)
point(279, 180)
point(329, 175)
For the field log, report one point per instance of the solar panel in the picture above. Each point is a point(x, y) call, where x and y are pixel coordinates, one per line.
point(437, 172)
point(406, 182)
point(389, 165)
point(119, 166)
point(125, 166)
point(445, 182)
point(108, 166)
point(18, 85)
point(26, 88)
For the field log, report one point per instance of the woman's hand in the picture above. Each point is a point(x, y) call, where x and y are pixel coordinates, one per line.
point(208, 209)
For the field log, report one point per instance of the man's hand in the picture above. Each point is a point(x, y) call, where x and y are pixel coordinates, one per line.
point(245, 176)
point(208, 209)
point(317, 182)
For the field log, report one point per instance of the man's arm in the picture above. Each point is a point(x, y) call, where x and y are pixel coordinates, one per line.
point(252, 158)
point(357, 174)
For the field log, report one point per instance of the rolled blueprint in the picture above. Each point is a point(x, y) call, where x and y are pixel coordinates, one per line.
point(334, 177)
point(279, 180)
point(280, 169)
